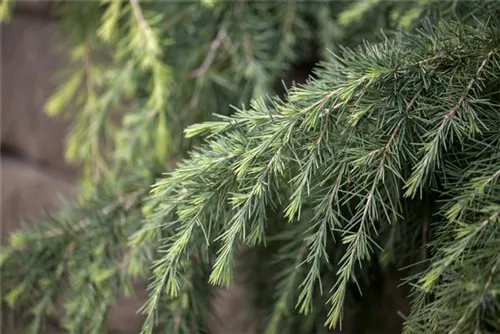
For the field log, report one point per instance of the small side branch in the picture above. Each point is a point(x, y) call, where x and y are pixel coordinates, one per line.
point(214, 46)
point(464, 95)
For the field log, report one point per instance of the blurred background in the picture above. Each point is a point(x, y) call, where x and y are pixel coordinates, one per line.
point(34, 174)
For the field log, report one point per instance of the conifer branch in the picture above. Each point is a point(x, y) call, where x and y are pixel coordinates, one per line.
point(429, 161)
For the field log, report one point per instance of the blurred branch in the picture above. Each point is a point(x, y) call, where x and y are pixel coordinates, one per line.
point(126, 202)
point(214, 46)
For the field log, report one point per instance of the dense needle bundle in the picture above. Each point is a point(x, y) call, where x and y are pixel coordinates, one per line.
point(389, 156)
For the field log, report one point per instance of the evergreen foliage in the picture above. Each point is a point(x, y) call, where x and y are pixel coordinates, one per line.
point(387, 157)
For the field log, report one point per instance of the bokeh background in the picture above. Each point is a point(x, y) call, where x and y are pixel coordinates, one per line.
point(34, 174)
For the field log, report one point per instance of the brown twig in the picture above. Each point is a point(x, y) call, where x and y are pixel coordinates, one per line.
point(214, 46)
point(176, 18)
point(207, 62)
point(439, 55)
point(413, 100)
